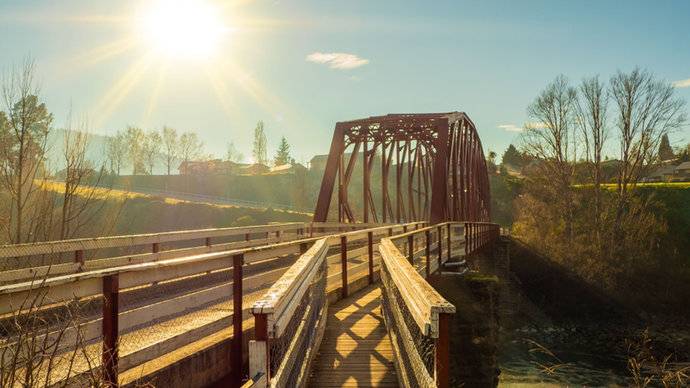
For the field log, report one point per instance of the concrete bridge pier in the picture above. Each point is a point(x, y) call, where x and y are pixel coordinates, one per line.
point(475, 325)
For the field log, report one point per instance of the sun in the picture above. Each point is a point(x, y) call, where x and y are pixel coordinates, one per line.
point(183, 29)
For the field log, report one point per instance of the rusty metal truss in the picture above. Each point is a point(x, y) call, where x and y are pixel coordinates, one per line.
point(432, 168)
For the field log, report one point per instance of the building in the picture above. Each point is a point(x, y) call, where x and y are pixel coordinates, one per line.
point(682, 172)
point(318, 162)
point(209, 167)
point(253, 169)
point(293, 168)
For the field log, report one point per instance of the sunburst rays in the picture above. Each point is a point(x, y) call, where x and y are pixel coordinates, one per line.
point(229, 81)
point(114, 96)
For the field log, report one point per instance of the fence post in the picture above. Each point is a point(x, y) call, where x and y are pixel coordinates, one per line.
point(208, 241)
point(79, 258)
point(404, 228)
point(246, 237)
point(410, 248)
point(236, 351)
point(156, 248)
point(370, 242)
point(109, 356)
point(448, 241)
point(443, 351)
point(343, 264)
point(427, 234)
point(440, 247)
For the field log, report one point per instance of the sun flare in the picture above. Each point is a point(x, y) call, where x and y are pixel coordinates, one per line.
point(183, 29)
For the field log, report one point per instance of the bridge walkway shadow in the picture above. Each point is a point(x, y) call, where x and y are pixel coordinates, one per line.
point(356, 350)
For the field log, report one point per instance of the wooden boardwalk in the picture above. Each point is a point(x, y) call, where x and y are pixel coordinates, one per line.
point(356, 350)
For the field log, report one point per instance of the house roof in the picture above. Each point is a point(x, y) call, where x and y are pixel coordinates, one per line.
point(665, 170)
point(683, 166)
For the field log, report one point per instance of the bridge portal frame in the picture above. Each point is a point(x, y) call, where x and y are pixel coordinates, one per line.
point(439, 174)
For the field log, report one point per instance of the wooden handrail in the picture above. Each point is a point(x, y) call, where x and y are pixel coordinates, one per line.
point(423, 301)
point(62, 246)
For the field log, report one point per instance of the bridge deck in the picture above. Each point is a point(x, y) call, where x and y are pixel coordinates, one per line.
point(356, 350)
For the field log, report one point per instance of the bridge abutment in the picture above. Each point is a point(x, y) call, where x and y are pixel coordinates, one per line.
point(475, 326)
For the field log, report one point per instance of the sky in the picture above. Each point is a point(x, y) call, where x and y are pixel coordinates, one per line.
point(218, 67)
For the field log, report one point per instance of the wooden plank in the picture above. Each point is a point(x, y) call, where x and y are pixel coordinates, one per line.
point(52, 247)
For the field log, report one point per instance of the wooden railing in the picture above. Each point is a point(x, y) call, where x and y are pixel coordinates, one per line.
point(417, 316)
point(111, 278)
point(54, 258)
point(287, 334)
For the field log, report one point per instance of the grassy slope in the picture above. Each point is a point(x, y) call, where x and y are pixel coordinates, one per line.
point(131, 213)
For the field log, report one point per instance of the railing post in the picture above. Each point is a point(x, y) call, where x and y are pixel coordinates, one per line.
point(440, 247)
point(410, 249)
point(448, 242)
point(260, 363)
point(236, 351)
point(467, 238)
point(427, 234)
point(370, 242)
point(443, 351)
point(156, 248)
point(343, 264)
point(208, 241)
point(404, 228)
point(246, 237)
point(302, 248)
point(109, 356)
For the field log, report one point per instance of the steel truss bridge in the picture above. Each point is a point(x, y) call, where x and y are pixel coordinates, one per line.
point(343, 303)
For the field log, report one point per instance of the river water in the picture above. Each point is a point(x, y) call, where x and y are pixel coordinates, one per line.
point(581, 353)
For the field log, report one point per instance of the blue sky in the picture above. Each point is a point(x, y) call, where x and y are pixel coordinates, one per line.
point(487, 58)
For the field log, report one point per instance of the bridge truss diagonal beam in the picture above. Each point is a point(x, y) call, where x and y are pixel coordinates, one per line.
point(405, 167)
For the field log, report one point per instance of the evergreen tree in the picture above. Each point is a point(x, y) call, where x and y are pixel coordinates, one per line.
point(513, 157)
point(259, 151)
point(665, 150)
point(283, 153)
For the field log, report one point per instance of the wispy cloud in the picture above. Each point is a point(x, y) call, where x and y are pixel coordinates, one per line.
point(684, 83)
point(341, 61)
point(527, 125)
point(535, 125)
point(510, 127)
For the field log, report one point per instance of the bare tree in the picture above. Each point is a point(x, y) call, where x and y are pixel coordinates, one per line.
point(646, 110)
point(80, 197)
point(592, 106)
point(150, 150)
point(135, 139)
point(232, 154)
point(190, 147)
point(260, 151)
point(170, 147)
point(24, 132)
point(116, 151)
point(551, 139)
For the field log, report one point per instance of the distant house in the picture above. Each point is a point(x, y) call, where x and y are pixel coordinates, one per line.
point(209, 167)
point(661, 174)
point(682, 171)
point(318, 162)
point(287, 169)
point(253, 169)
